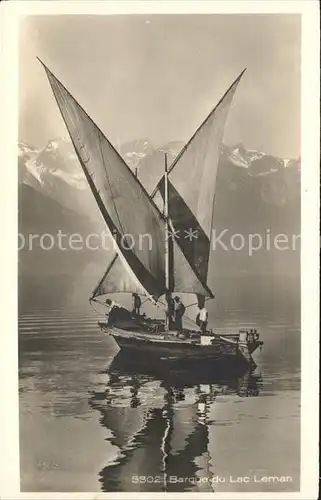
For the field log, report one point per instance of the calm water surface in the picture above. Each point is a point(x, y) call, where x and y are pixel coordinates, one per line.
point(90, 421)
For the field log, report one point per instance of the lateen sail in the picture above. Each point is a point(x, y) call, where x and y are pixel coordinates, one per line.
point(132, 217)
point(192, 183)
point(117, 279)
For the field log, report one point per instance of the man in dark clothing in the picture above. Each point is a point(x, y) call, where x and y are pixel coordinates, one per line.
point(136, 304)
point(171, 314)
point(179, 310)
point(117, 313)
point(113, 312)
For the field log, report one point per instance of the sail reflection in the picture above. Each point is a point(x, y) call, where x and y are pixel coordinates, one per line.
point(159, 421)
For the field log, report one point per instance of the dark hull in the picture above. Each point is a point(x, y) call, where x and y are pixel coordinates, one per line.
point(179, 350)
point(223, 350)
point(187, 372)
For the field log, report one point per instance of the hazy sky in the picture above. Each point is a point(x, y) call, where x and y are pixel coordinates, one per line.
point(159, 76)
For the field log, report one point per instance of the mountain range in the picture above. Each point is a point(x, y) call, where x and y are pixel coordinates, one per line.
point(256, 192)
point(54, 169)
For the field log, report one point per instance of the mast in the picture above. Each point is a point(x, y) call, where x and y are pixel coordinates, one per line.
point(167, 250)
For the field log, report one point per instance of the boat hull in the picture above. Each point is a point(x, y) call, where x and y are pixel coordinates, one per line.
point(186, 372)
point(222, 350)
point(177, 349)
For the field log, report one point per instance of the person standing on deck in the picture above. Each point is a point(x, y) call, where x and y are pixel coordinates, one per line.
point(202, 319)
point(171, 312)
point(179, 310)
point(136, 304)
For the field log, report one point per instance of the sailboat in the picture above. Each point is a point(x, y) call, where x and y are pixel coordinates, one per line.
point(161, 240)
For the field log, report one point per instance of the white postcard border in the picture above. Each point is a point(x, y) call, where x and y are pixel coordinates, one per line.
point(10, 12)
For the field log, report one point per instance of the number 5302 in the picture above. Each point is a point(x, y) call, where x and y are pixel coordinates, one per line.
point(146, 479)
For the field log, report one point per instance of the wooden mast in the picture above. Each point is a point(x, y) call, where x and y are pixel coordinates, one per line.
point(167, 251)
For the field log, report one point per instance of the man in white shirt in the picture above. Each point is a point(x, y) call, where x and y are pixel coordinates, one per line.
point(203, 318)
point(111, 304)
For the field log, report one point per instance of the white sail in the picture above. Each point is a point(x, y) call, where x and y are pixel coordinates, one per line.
point(132, 217)
point(192, 185)
point(117, 279)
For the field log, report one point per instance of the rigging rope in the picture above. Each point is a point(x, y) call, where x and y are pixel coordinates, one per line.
point(92, 305)
point(196, 303)
point(185, 316)
point(94, 300)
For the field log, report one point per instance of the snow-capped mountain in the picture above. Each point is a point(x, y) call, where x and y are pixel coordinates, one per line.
point(56, 172)
point(25, 150)
point(257, 162)
point(57, 160)
point(255, 192)
point(25, 174)
point(133, 152)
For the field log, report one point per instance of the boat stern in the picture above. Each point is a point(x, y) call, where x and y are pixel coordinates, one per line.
point(250, 338)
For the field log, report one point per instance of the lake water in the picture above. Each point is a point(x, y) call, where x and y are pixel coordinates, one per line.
point(90, 422)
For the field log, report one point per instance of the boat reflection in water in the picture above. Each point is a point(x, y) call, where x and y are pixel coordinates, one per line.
point(159, 422)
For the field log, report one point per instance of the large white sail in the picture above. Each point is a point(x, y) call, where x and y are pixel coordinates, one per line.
point(192, 184)
point(132, 217)
point(117, 279)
